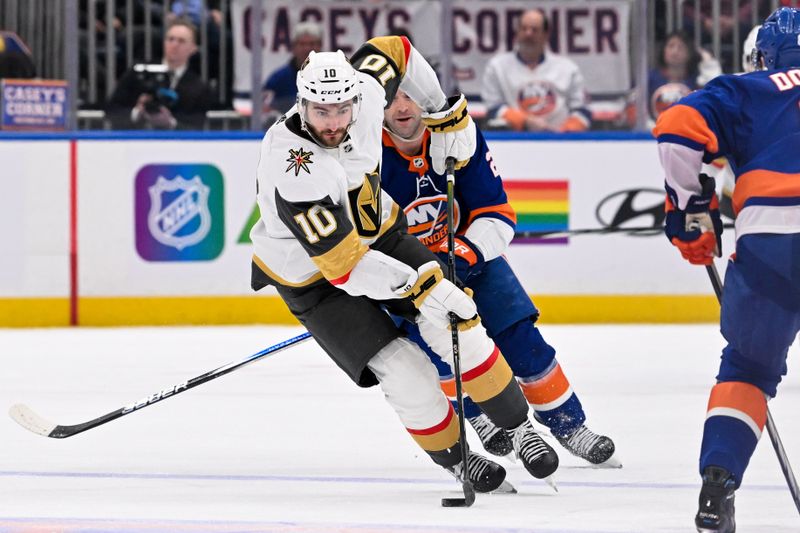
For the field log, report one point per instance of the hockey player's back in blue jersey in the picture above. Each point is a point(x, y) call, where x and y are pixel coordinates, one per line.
point(484, 228)
point(754, 121)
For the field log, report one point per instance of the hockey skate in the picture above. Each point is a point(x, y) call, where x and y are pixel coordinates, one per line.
point(493, 438)
point(715, 514)
point(588, 445)
point(539, 458)
point(485, 475)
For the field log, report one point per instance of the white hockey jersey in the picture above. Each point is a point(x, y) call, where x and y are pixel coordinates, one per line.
point(322, 207)
point(553, 89)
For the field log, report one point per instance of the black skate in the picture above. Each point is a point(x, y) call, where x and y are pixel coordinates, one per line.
point(493, 438)
point(484, 474)
point(588, 445)
point(539, 458)
point(716, 502)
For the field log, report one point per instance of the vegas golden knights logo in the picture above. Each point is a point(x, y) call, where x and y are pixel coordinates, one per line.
point(365, 202)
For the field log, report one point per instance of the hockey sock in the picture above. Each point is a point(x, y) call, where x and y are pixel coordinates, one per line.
point(440, 441)
point(553, 400)
point(737, 413)
point(492, 386)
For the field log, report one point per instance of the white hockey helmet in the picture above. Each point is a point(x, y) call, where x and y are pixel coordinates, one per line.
point(327, 78)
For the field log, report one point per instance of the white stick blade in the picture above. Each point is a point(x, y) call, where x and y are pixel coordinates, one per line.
point(25, 417)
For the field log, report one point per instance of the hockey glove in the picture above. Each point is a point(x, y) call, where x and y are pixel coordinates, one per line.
point(452, 134)
point(436, 298)
point(697, 230)
point(469, 260)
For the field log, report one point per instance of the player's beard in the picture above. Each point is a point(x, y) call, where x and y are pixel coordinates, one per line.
point(329, 138)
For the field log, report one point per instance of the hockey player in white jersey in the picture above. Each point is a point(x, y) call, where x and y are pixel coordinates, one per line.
point(337, 250)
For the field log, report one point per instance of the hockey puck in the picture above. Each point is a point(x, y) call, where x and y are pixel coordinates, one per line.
point(454, 502)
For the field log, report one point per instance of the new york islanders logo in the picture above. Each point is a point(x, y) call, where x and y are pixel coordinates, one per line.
point(538, 97)
point(299, 159)
point(665, 96)
point(427, 213)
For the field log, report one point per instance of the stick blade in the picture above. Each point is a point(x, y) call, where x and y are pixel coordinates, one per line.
point(25, 417)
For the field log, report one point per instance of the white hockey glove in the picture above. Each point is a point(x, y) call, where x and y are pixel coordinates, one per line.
point(377, 276)
point(435, 297)
point(452, 134)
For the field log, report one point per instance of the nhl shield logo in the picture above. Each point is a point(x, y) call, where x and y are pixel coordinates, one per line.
point(179, 212)
point(168, 220)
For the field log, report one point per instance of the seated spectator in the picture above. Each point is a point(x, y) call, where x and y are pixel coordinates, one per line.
point(15, 58)
point(681, 69)
point(180, 104)
point(531, 88)
point(280, 89)
point(196, 10)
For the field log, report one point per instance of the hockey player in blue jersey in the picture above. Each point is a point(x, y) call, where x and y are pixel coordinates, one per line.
point(754, 121)
point(485, 226)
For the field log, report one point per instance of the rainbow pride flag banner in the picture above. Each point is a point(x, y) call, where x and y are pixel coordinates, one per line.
point(541, 205)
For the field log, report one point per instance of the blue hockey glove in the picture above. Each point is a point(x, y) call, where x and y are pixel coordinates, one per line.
point(469, 260)
point(697, 230)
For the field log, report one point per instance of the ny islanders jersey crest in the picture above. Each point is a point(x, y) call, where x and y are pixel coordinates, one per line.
point(427, 212)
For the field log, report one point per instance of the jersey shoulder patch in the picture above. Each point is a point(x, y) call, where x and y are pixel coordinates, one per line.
point(299, 159)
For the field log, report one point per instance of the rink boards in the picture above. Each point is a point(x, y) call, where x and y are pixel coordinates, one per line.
point(116, 229)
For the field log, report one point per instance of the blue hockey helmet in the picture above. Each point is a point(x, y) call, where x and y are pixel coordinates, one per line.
point(778, 40)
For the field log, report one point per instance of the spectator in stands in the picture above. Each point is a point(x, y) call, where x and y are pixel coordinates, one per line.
point(140, 10)
point(280, 89)
point(15, 57)
point(728, 20)
point(681, 68)
point(180, 102)
point(196, 10)
point(531, 88)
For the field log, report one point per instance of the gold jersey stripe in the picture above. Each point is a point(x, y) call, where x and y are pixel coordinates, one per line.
point(341, 259)
point(490, 383)
point(392, 47)
point(266, 270)
point(441, 440)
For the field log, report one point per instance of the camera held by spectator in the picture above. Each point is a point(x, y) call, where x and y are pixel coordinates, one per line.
point(155, 83)
point(168, 95)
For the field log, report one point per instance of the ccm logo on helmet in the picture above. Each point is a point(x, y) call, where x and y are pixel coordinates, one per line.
point(330, 92)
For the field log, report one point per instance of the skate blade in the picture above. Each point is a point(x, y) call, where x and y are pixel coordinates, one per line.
point(611, 462)
point(550, 480)
point(505, 488)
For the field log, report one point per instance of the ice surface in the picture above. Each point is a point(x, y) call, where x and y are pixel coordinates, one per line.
point(289, 444)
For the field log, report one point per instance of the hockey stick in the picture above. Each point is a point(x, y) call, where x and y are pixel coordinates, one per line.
point(27, 418)
point(469, 490)
point(594, 231)
point(771, 429)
